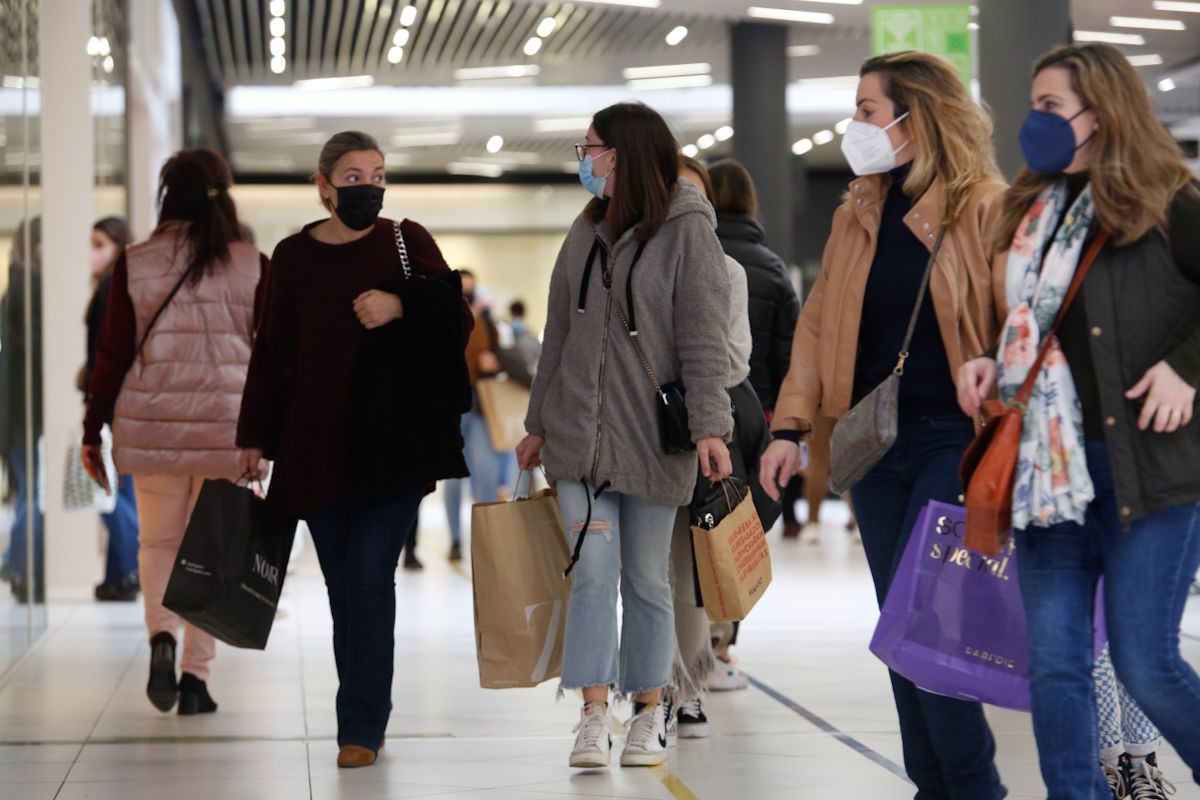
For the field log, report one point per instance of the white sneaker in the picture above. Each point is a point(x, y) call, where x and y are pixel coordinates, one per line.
point(646, 742)
point(593, 744)
point(693, 724)
point(726, 677)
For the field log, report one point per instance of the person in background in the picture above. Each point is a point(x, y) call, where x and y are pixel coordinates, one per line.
point(922, 148)
point(23, 456)
point(170, 365)
point(1109, 480)
point(524, 340)
point(594, 413)
point(354, 391)
point(110, 237)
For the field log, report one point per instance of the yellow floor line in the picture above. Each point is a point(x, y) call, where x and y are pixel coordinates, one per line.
point(675, 786)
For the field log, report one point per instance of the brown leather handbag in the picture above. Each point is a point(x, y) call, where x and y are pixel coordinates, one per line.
point(989, 467)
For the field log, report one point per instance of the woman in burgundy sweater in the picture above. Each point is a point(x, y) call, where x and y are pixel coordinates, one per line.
point(355, 389)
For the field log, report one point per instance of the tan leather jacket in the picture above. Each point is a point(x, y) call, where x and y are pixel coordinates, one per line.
point(825, 347)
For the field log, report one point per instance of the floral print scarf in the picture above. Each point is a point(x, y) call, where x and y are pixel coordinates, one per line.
point(1053, 484)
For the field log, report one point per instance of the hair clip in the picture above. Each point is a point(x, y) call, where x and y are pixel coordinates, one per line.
point(212, 192)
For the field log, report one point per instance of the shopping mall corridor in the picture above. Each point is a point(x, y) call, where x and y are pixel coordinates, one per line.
point(818, 721)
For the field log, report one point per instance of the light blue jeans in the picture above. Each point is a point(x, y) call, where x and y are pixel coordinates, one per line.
point(628, 545)
point(487, 471)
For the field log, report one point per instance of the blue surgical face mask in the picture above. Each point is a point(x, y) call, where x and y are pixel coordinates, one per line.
point(1048, 141)
point(518, 324)
point(592, 182)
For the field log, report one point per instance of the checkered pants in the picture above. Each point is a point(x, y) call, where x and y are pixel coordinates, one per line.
point(1124, 728)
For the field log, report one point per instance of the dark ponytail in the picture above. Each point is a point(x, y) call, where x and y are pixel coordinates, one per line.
point(193, 187)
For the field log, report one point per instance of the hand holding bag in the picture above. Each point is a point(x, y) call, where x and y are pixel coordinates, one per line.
point(863, 437)
point(989, 467)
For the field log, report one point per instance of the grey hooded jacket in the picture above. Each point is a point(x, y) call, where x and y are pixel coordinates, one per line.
point(592, 400)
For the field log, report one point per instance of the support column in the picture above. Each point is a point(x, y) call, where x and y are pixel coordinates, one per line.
point(153, 105)
point(1012, 35)
point(68, 174)
point(760, 122)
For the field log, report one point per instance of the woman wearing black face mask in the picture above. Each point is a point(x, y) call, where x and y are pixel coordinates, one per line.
point(355, 389)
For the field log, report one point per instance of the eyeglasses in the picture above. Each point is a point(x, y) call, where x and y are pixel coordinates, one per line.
point(581, 150)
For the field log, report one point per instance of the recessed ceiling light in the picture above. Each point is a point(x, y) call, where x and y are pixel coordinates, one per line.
point(278, 64)
point(803, 146)
point(495, 144)
point(278, 8)
point(842, 126)
point(401, 37)
point(408, 16)
point(972, 26)
point(677, 35)
point(494, 73)
point(1148, 24)
point(690, 150)
point(823, 137)
point(395, 55)
point(1171, 5)
point(706, 141)
point(788, 15)
point(665, 71)
point(546, 27)
point(1149, 60)
point(109, 64)
point(680, 82)
point(533, 46)
point(724, 133)
point(802, 50)
point(1109, 38)
point(561, 124)
point(278, 47)
point(278, 27)
point(634, 3)
point(327, 84)
point(1166, 85)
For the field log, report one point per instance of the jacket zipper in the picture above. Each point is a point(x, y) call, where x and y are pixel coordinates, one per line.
point(607, 279)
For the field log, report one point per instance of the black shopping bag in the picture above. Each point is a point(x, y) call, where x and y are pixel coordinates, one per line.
point(229, 572)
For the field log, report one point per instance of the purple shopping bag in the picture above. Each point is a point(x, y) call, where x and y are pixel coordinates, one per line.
point(953, 622)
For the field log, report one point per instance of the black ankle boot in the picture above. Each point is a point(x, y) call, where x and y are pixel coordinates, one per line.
point(162, 689)
point(194, 697)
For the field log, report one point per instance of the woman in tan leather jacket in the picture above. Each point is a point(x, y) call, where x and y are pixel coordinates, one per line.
point(922, 150)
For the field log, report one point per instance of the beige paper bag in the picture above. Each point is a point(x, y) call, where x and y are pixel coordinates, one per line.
point(504, 405)
point(733, 563)
point(518, 550)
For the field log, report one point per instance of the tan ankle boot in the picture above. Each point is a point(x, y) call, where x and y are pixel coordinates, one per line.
point(352, 756)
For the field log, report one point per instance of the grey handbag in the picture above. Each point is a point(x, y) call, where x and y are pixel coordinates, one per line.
point(863, 437)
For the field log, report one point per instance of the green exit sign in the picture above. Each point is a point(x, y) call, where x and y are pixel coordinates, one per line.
point(940, 29)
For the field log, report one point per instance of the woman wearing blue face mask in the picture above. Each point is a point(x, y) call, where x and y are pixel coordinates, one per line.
point(1109, 478)
point(639, 298)
point(922, 148)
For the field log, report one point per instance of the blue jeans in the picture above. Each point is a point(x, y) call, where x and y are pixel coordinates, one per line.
point(1147, 573)
point(487, 471)
point(628, 545)
point(17, 557)
point(359, 546)
point(122, 526)
point(949, 751)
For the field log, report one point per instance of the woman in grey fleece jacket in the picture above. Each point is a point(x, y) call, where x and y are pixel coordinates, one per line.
point(593, 414)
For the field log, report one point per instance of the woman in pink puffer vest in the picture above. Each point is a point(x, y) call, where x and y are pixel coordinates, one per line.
point(171, 361)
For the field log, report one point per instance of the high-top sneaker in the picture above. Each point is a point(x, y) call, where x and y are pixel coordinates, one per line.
point(1116, 780)
point(162, 688)
point(1145, 781)
point(593, 742)
point(646, 742)
point(692, 722)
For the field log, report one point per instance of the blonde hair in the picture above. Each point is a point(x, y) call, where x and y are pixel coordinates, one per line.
point(1136, 168)
point(951, 134)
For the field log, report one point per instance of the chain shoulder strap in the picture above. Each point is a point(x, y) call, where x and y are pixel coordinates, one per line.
point(637, 346)
point(402, 249)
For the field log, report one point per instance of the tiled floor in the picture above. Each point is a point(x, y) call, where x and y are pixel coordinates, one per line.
point(74, 722)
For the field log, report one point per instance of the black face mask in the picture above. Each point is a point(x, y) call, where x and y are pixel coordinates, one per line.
point(359, 206)
point(470, 298)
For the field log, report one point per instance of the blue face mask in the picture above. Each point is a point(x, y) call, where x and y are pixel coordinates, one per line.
point(518, 324)
point(1048, 141)
point(592, 182)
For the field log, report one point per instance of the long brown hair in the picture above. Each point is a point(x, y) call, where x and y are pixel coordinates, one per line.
point(1136, 168)
point(647, 171)
point(951, 133)
point(696, 166)
point(193, 188)
point(733, 188)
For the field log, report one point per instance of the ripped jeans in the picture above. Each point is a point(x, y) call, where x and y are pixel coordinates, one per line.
point(628, 545)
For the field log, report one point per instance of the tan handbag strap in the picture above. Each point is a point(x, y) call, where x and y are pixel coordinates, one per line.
point(1026, 390)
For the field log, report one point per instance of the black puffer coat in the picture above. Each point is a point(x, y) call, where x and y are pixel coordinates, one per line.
point(774, 306)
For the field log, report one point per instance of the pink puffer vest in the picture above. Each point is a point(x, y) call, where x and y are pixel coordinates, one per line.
point(178, 408)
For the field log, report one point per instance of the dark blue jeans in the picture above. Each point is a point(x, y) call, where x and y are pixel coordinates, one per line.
point(122, 526)
point(359, 546)
point(18, 548)
point(949, 751)
point(1147, 573)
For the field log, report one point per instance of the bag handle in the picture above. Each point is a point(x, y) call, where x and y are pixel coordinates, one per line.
point(916, 312)
point(402, 249)
point(517, 488)
point(1026, 390)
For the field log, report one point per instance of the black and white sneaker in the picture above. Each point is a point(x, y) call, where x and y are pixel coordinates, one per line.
point(1116, 780)
point(672, 715)
point(692, 722)
point(646, 742)
point(1145, 781)
point(593, 742)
